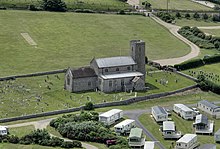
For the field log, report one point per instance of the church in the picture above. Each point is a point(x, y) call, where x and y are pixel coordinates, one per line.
point(112, 74)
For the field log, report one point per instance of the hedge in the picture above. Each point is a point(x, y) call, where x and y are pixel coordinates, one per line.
point(189, 64)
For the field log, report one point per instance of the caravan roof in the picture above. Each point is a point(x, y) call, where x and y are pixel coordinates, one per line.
point(124, 123)
point(168, 125)
point(110, 113)
point(183, 107)
point(186, 138)
point(209, 104)
point(159, 110)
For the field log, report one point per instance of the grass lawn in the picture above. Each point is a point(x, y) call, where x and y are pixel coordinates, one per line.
point(31, 95)
point(215, 32)
point(181, 125)
point(204, 52)
point(21, 131)
point(193, 22)
point(177, 5)
point(73, 39)
point(98, 5)
point(19, 146)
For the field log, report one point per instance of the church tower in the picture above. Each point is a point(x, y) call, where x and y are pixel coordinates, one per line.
point(137, 52)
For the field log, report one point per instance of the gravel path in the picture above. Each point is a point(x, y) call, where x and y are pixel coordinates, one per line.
point(173, 29)
point(209, 27)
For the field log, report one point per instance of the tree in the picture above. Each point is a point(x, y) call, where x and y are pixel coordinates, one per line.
point(205, 16)
point(89, 106)
point(196, 15)
point(187, 16)
point(178, 15)
point(54, 5)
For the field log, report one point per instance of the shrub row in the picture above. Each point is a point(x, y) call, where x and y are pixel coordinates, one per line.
point(86, 127)
point(167, 17)
point(40, 137)
point(200, 38)
point(197, 62)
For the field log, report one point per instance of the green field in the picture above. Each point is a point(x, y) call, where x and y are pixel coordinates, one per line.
point(41, 94)
point(177, 5)
point(97, 5)
point(21, 131)
point(72, 39)
point(193, 22)
point(181, 125)
point(215, 32)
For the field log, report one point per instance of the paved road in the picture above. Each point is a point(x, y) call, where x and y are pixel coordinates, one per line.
point(209, 27)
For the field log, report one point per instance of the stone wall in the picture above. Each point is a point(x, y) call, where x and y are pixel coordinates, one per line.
point(101, 105)
point(33, 74)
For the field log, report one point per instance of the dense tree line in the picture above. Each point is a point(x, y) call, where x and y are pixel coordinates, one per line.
point(86, 127)
point(40, 137)
point(200, 38)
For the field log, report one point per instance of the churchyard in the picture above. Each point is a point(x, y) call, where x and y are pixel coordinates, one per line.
point(45, 93)
point(73, 39)
point(211, 72)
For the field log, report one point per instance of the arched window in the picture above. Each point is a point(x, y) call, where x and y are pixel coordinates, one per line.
point(68, 80)
point(106, 70)
point(129, 68)
point(117, 69)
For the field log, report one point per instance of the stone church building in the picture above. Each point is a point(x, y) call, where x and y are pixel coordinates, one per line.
point(122, 73)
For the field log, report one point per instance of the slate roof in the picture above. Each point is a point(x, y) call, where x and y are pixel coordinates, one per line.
point(201, 119)
point(124, 123)
point(135, 132)
point(83, 72)
point(115, 61)
point(122, 75)
point(209, 104)
point(159, 110)
point(183, 107)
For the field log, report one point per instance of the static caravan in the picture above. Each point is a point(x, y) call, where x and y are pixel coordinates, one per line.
point(209, 108)
point(184, 111)
point(125, 126)
point(3, 130)
point(136, 138)
point(217, 136)
point(169, 130)
point(159, 113)
point(109, 117)
point(188, 141)
point(149, 145)
point(202, 125)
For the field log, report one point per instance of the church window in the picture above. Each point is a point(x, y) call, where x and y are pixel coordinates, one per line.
point(106, 70)
point(89, 83)
point(129, 68)
point(117, 69)
point(68, 80)
point(110, 83)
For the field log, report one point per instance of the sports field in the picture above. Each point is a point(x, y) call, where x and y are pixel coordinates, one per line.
point(72, 39)
point(177, 5)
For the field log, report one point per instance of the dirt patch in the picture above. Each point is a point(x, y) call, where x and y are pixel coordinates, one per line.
point(28, 38)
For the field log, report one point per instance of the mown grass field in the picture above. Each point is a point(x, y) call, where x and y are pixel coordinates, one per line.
point(97, 5)
point(21, 131)
point(46, 93)
point(73, 39)
point(197, 23)
point(177, 5)
point(181, 125)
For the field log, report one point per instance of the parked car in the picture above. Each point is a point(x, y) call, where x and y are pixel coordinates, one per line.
point(195, 110)
point(110, 142)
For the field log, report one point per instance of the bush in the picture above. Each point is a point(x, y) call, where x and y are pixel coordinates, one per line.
point(166, 17)
point(178, 15)
point(13, 139)
point(196, 15)
point(205, 16)
point(54, 5)
point(187, 16)
point(189, 64)
point(89, 106)
point(67, 144)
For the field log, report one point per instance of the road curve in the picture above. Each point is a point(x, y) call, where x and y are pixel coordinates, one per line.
point(195, 50)
point(209, 27)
